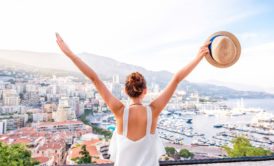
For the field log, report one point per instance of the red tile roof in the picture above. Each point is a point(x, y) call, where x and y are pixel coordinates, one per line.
point(102, 161)
point(22, 141)
point(4, 139)
point(91, 148)
point(51, 146)
point(68, 122)
point(91, 142)
point(41, 159)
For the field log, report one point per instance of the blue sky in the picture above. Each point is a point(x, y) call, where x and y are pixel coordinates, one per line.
point(155, 34)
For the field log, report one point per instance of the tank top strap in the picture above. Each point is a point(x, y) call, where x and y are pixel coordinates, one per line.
point(149, 120)
point(125, 120)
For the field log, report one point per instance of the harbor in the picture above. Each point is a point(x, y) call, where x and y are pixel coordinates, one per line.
point(218, 126)
point(208, 124)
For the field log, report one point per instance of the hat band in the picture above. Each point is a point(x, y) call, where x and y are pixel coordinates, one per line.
point(209, 46)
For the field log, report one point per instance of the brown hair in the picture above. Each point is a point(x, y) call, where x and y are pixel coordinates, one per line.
point(135, 84)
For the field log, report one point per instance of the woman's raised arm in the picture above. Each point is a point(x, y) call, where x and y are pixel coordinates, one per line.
point(161, 101)
point(115, 105)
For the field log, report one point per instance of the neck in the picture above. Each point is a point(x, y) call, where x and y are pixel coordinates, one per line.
point(135, 101)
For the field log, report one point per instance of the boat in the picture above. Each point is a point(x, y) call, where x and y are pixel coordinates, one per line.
point(218, 126)
point(189, 121)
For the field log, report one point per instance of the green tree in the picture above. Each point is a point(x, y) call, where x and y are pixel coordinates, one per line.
point(170, 151)
point(84, 116)
point(242, 147)
point(85, 156)
point(185, 153)
point(15, 155)
point(97, 130)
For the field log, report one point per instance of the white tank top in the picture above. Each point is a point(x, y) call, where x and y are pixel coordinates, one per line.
point(144, 152)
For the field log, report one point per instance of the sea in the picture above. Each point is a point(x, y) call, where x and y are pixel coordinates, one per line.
point(267, 103)
point(205, 124)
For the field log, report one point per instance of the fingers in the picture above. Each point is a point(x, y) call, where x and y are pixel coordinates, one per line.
point(207, 43)
point(62, 45)
point(58, 37)
point(204, 51)
point(60, 41)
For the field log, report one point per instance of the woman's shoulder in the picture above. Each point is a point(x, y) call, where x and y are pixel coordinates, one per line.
point(152, 108)
point(120, 112)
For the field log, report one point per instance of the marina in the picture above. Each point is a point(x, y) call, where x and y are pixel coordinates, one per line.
point(209, 124)
point(218, 126)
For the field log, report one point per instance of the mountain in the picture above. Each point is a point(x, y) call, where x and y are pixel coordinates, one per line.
point(104, 66)
point(107, 67)
point(239, 86)
point(223, 92)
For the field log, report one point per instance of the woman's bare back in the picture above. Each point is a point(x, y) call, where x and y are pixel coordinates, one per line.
point(137, 120)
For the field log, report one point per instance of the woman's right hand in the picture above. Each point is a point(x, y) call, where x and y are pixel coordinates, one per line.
point(64, 47)
point(204, 50)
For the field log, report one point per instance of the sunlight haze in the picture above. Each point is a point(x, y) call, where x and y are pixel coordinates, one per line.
point(157, 35)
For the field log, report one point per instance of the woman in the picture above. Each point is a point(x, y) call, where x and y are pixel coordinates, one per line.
point(135, 141)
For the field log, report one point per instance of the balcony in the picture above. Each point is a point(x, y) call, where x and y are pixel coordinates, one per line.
point(242, 161)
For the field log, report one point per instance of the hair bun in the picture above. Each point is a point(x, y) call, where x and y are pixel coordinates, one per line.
point(135, 84)
point(135, 77)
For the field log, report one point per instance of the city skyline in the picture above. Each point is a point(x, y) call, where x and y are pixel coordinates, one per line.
point(143, 32)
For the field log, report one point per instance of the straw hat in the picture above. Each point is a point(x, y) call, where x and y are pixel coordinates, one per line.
point(224, 50)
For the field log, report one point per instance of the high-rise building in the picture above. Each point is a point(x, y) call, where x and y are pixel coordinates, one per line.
point(116, 90)
point(116, 79)
point(20, 87)
point(10, 97)
point(3, 126)
point(1, 93)
point(49, 107)
point(64, 111)
point(13, 122)
point(76, 106)
point(156, 88)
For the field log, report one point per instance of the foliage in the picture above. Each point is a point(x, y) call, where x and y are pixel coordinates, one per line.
point(97, 130)
point(185, 153)
point(86, 113)
point(15, 155)
point(85, 157)
point(242, 147)
point(170, 151)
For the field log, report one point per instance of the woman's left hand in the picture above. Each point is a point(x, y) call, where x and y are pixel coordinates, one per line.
point(64, 47)
point(204, 49)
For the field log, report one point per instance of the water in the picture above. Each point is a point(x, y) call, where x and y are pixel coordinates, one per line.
point(266, 104)
point(205, 124)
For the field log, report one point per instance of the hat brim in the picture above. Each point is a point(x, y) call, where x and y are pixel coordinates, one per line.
point(236, 42)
